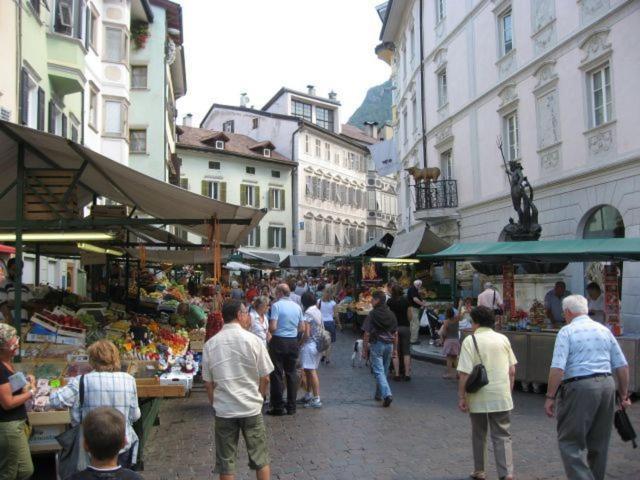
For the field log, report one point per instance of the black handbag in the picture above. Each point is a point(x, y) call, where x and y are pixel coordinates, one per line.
point(478, 377)
point(72, 458)
point(623, 424)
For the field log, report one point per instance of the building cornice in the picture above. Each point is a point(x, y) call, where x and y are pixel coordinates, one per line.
point(214, 151)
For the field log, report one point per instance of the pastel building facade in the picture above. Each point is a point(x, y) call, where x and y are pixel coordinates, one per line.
point(553, 83)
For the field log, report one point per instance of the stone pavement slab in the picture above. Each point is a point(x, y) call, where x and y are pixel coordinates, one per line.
point(421, 436)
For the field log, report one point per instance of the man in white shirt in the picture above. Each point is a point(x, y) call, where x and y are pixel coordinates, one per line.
point(235, 369)
point(490, 298)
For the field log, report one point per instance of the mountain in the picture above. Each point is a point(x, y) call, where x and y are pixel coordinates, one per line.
point(376, 106)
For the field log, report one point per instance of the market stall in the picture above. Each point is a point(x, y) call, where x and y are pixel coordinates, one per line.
point(50, 192)
point(531, 333)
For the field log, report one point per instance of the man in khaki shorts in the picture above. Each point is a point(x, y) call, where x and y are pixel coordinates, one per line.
point(235, 369)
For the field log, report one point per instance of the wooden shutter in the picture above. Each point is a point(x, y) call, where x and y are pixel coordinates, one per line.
point(283, 232)
point(243, 195)
point(281, 199)
point(257, 196)
point(24, 96)
point(40, 122)
point(87, 26)
point(222, 190)
point(270, 232)
point(205, 188)
point(52, 117)
point(271, 202)
point(78, 20)
point(64, 126)
point(257, 236)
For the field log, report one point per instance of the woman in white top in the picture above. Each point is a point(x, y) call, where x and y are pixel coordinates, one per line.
point(259, 320)
point(327, 307)
point(309, 354)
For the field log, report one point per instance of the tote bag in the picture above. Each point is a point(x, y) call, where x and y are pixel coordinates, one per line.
point(73, 457)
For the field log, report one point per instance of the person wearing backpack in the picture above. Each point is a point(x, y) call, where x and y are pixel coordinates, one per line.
point(314, 343)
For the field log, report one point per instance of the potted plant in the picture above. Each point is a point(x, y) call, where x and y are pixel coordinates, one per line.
point(139, 34)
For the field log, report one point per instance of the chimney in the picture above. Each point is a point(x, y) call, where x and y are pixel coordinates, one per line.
point(187, 120)
point(371, 128)
point(333, 95)
point(244, 100)
point(311, 90)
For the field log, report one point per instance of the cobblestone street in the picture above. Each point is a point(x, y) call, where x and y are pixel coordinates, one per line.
point(421, 436)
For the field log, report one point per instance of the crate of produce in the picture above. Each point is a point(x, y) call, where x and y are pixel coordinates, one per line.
point(65, 325)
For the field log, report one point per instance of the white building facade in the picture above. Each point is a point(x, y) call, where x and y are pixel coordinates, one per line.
point(554, 81)
point(237, 169)
point(329, 183)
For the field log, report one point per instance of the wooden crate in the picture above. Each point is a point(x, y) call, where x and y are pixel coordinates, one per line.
point(109, 211)
point(50, 185)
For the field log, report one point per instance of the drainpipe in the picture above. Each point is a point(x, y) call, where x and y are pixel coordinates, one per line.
point(294, 193)
point(423, 112)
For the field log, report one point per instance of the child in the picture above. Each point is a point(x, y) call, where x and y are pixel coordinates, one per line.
point(104, 436)
point(451, 349)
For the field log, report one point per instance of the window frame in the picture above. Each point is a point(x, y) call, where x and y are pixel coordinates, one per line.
point(94, 102)
point(325, 122)
point(250, 170)
point(182, 181)
point(277, 198)
point(505, 47)
point(93, 28)
point(405, 126)
point(604, 70)
point(146, 77)
point(318, 148)
point(214, 189)
point(441, 10)
point(266, 152)
point(219, 145)
point(213, 165)
point(124, 117)
point(32, 104)
point(255, 123)
point(278, 234)
point(443, 87)
point(513, 145)
point(253, 238)
point(124, 46)
point(276, 173)
point(446, 164)
point(298, 104)
point(228, 126)
point(131, 142)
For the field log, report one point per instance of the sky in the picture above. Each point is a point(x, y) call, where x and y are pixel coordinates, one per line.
point(259, 46)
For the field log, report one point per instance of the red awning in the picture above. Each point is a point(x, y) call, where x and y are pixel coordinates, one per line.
point(7, 249)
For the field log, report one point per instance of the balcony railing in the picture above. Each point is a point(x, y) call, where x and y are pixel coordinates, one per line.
point(434, 195)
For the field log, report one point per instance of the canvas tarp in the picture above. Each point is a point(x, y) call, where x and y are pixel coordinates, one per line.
point(419, 240)
point(115, 181)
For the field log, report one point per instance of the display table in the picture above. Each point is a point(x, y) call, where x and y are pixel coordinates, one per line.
point(46, 426)
point(534, 351)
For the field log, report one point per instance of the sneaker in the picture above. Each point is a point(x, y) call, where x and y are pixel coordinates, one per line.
point(314, 403)
point(304, 400)
point(387, 401)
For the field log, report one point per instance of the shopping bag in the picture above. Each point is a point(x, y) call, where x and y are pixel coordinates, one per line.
point(424, 319)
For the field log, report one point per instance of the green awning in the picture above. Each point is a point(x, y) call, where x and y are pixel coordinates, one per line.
point(601, 249)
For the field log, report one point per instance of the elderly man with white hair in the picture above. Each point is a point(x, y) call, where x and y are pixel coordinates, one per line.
point(581, 390)
point(490, 298)
point(416, 303)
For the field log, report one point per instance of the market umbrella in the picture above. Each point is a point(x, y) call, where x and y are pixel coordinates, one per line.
point(237, 266)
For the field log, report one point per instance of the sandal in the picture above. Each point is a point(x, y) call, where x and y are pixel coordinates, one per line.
point(478, 476)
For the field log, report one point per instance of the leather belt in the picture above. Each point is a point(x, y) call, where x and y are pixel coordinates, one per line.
point(584, 377)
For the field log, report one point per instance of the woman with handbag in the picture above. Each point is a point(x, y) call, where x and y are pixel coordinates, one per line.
point(487, 368)
point(309, 353)
point(15, 457)
point(105, 386)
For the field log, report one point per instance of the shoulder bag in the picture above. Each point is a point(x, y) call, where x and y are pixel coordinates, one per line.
point(323, 340)
point(478, 377)
point(73, 458)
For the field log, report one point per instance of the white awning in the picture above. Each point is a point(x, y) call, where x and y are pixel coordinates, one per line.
point(419, 240)
point(117, 182)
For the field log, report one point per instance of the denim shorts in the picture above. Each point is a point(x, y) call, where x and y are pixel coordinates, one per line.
point(331, 328)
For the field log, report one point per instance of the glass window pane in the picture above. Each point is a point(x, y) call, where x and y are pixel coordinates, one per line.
point(114, 45)
point(113, 117)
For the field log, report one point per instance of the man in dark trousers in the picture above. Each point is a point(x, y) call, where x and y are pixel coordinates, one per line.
point(381, 340)
point(285, 323)
point(581, 390)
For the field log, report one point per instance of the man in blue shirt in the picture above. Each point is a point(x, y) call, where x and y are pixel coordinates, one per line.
point(580, 381)
point(285, 323)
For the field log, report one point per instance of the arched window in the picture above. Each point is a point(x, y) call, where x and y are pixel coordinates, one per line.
point(604, 222)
